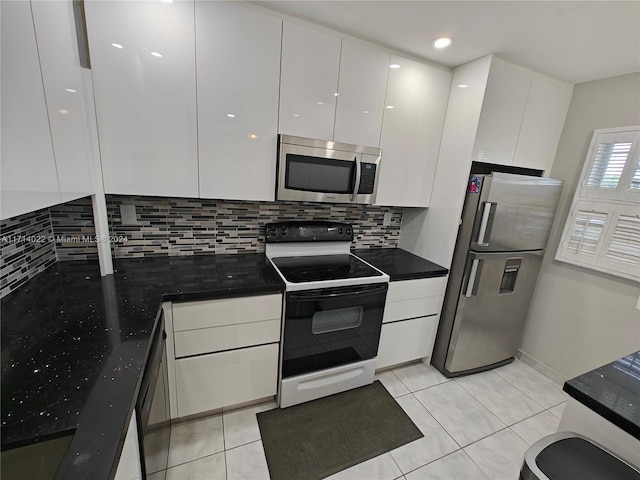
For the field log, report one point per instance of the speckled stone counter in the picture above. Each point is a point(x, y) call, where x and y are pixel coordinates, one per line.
point(74, 345)
point(400, 264)
point(612, 391)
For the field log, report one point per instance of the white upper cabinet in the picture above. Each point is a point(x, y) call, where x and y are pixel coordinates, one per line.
point(416, 103)
point(504, 103)
point(308, 82)
point(522, 117)
point(29, 176)
point(61, 73)
point(361, 88)
point(144, 77)
point(238, 60)
point(542, 123)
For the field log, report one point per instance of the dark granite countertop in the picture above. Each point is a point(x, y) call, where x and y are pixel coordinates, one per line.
point(612, 391)
point(400, 264)
point(74, 344)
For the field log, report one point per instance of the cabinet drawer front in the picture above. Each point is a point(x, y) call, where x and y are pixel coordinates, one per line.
point(417, 307)
point(410, 289)
point(406, 341)
point(223, 379)
point(207, 340)
point(226, 311)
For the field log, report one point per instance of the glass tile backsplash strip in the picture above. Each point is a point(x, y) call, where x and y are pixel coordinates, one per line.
point(28, 248)
point(185, 226)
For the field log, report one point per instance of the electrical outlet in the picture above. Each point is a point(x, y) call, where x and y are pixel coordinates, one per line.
point(387, 219)
point(128, 215)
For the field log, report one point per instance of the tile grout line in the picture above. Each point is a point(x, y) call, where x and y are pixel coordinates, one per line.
point(224, 447)
point(485, 406)
point(537, 373)
point(436, 420)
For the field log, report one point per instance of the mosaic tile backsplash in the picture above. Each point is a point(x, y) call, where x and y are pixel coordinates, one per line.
point(28, 248)
point(74, 230)
point(182, 226)
point(179, 226)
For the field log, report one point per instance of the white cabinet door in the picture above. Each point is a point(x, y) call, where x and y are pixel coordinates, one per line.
point(61, 73)
point(144, 77)
point(362, 86)
point(29, 176)
point(238, 60)
point(416, 103)
point(129, 465)
point(406, 341)
point(503, 107)
point(208, 382)
point(309, 82)
point(542, 124)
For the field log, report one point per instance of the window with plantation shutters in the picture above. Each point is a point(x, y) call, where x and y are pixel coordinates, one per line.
point(602, 231)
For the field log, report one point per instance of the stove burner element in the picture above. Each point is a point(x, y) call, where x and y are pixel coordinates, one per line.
point(323, 267)
point(321, 272)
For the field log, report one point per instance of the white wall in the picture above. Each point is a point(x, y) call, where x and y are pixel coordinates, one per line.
point(580, 319)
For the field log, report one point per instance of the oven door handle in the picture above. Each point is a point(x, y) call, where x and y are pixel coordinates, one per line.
point(324, 296)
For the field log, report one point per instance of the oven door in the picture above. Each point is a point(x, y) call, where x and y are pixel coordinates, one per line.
point(330, 327)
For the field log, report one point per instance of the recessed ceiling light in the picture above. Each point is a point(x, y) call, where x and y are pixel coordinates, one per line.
point(63, 111)
point(116, 45)
point(390, 106)
point(296, 114)
point(70, 90)
point(230, 115)
point(156, 54)
point(394, 65)
point(320, 103)
point(365, 111)
point(253, 136)
point(442, 42)
point(463, 85)
point(336, 94)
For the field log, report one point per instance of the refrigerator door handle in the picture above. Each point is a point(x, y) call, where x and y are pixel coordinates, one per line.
point(472, 278)
point(485, 224)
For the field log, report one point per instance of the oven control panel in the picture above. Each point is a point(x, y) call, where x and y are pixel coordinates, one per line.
point(308, 231)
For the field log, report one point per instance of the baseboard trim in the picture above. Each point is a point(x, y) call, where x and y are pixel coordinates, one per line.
point(544, 369)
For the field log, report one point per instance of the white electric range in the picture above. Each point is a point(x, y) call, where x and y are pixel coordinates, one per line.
point(332, 316)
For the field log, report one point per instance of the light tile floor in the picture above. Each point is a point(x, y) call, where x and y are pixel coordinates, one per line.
point(476, 427)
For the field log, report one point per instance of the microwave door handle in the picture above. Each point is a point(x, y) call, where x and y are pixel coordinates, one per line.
point(356, 186)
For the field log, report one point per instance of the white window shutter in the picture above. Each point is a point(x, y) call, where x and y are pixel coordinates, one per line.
point(632, 192)
point(609, 164)
point(585, 232)
point(602, 231)
point(621, 246)
point(635, 180)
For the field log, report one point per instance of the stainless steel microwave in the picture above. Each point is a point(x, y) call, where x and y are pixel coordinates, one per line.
point(322, 171)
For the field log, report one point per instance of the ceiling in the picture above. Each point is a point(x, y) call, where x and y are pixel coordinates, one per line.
point(573, 41)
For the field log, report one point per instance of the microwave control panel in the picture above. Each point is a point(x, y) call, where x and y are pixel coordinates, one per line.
point(367, 178)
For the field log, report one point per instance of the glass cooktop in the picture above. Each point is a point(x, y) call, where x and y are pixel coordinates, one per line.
point(323, 267)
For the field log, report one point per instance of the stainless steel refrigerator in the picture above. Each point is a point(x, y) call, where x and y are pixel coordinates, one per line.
point(505, 226)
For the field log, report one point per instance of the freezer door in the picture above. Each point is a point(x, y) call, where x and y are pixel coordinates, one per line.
point(492, 308)
point(514, 212)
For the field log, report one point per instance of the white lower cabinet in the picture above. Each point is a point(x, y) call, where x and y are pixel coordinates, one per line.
point(208, 382)
point(129, 465)
point(222, 352)
point(406, 340)
point(410, 320)
point(195, 342)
